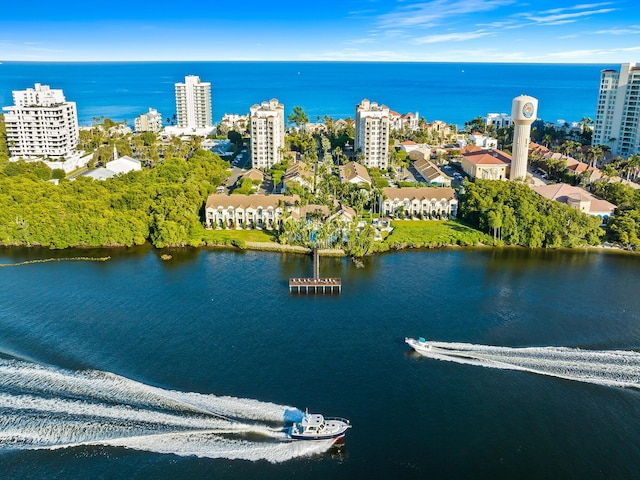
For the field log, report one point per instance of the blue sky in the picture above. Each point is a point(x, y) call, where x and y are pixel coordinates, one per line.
point(385, 30)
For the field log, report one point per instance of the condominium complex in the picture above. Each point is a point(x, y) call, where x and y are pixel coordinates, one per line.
point(148, 122)
point(372, 134)
point(41, 123)
point(193, 103)
point(267, 134)
point(617, 122)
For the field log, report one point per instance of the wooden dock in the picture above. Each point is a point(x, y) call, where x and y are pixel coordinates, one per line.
point(315, 284)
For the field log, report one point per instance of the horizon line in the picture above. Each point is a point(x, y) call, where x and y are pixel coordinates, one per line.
point(316, 61)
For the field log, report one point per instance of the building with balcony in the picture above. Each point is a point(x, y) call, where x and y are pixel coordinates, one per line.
point(372, 134)
point(423, 202)
point(148, 122)
point(617, 122)
point(193, 104)
point(267, 134)
point(247, 211)
point(41, 124)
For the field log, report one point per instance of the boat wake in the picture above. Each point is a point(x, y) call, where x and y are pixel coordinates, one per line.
point(618, 368)
point(47, 408)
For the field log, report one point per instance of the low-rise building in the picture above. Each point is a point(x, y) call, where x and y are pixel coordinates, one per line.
point(148, 122)
point(118, 166)
point(482, 141)
point(247, 211)
point(124, 164)
point(485, 164)
point(577, 198)
point(430, 173)
point(299, 172)
point(500, 120)
point(408, 121)
point(355, 173)
point(233, 121)
point(422, 202)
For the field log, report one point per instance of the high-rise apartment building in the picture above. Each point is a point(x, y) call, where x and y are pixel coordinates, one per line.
point(148, 122)
point(41, 123)
point(193, 103)
point(617, 123)
point(267, 134)
point(372, 134)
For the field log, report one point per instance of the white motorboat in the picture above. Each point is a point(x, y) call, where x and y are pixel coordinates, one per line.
point(420, 345)
point(314, 426)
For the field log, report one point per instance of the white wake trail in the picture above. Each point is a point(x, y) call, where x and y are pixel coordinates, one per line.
point(45, 407)
point(619, 368)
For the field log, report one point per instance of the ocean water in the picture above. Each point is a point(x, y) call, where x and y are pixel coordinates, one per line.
point(452, 92)
point(132, 367)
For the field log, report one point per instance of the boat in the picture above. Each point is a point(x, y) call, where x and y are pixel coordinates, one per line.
point(420, 345)
point(314, 426)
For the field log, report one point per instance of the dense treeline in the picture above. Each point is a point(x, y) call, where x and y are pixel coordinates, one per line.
point(162, 205)
point(516, 215)
point(624, 226)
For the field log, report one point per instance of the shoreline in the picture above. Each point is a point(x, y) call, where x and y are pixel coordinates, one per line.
point(274, 247)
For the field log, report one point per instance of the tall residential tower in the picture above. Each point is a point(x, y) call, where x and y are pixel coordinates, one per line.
point(372, 134)
point(267, 134)
point(193, 103)
point(524, 111)
point(617, 122)
point(41, 123)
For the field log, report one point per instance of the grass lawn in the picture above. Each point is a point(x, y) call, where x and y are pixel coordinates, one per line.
point(434, 233)
point(226, 237)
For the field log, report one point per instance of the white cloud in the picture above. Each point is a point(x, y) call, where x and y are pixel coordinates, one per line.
point(632, 30)
point(588, 54)
point(428, 14)
point(452, 37)
point(584, 6)
point(555, 17)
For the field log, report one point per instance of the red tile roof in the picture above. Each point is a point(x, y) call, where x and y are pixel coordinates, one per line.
point(480, 156)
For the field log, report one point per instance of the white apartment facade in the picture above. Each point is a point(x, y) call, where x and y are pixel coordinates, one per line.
point(617, 123)
point(500, 120)
point(372, 134)
point(193, 103)
point(267, 134)
point(41, 124)
point(148, 122)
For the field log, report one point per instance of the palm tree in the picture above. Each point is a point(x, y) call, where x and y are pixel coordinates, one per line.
point(609, 171)
point(298, 117)
point(634, 165)
point(594, 154)
point(569, 147)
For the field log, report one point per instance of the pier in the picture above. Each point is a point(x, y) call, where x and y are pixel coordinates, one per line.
point(315, 284)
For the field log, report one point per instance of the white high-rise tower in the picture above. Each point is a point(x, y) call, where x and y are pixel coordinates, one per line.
point(41, 124)
point(617, 122)
point(193, 103)
point(372, 134)
point(524, 111)
point(267, 134)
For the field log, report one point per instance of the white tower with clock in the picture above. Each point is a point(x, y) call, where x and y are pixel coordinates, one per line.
point(524, 111)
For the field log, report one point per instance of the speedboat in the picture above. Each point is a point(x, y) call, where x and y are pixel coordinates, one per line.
point(420, 345)
point(314, 426)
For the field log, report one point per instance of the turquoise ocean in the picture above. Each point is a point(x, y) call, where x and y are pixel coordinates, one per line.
point(452, 92)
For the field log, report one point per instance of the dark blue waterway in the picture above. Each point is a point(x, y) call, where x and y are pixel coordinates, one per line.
point(219, 322)
point(453, 92)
